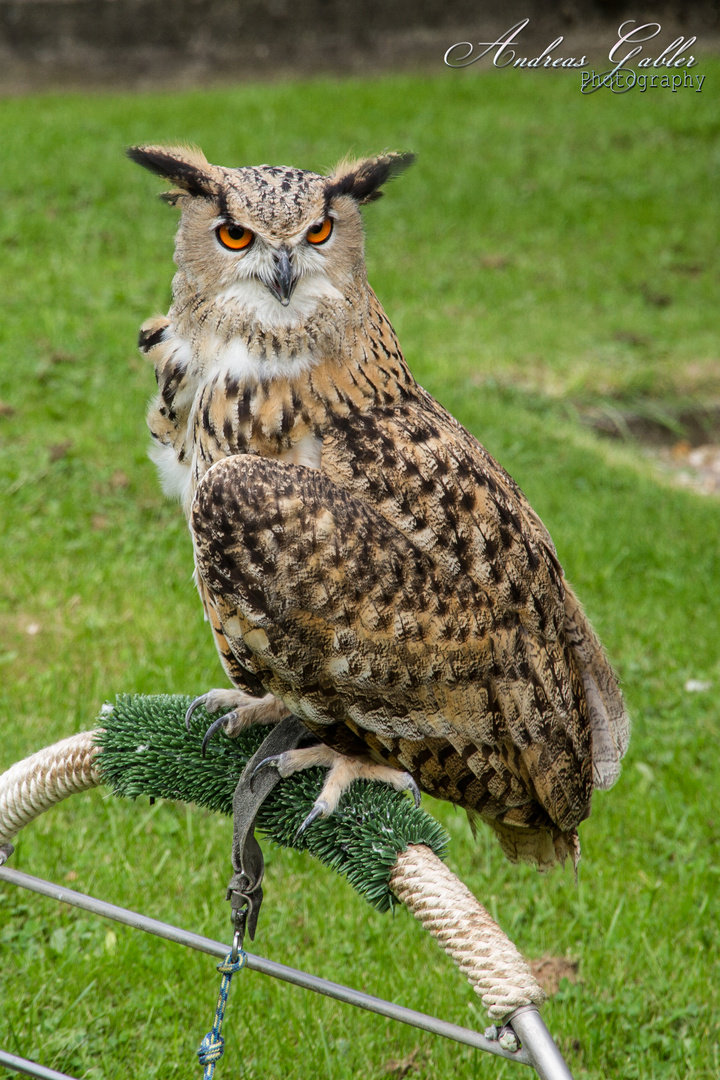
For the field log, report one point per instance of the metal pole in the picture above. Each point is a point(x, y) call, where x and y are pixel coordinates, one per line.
point(269, 967)
point(31, 1068)
point(529, 1026)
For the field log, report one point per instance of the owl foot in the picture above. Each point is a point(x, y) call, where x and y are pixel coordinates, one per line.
point(343, 771)
point(244, 711)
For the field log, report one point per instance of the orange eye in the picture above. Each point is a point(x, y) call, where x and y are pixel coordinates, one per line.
point(234, 237)
point(320, 233)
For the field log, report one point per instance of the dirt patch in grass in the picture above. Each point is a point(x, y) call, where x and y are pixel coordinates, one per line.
point(685, 445)
point(551, 970)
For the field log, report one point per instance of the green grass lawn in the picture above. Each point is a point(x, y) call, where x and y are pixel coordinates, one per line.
point(547, 248)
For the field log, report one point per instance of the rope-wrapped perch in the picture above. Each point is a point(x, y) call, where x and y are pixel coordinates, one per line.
point(464, 929)
point(147, 734)
point(32, 786)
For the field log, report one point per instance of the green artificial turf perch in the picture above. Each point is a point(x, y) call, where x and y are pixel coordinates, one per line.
point(146, 750)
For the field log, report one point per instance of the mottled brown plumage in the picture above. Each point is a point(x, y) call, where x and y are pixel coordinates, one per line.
point(361, 557)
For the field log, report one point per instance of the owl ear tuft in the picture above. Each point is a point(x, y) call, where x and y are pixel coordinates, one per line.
point(185, 166)
point(362, 180)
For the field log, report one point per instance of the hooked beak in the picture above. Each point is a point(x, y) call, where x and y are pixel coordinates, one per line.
point(284, 281)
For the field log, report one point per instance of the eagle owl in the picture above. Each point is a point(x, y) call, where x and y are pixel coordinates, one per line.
point(363, 561)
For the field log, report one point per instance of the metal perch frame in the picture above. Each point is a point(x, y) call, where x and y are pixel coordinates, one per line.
point(419, 879)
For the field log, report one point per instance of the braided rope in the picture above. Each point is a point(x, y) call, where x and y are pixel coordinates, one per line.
point(463, 928)
point(32, 786)
point(212, 1047)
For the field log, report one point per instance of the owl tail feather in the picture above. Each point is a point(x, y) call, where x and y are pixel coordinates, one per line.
point(543, 848)
point(607, 715)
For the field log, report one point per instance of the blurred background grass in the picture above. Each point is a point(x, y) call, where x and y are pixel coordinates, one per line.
point(548, 253)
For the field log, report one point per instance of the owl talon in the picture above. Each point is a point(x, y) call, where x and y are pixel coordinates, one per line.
point(239, 711)
point(193, 706)
point(269, 762)
point(320, 809)
point(215, 727)
point(414, 790)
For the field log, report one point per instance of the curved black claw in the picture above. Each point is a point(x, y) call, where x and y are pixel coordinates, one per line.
point(273, 760)
point(193, 706)
point(414, 790)
point(318, 810)
point(214, 728)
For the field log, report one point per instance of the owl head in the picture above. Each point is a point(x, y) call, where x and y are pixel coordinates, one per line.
point(273, 240)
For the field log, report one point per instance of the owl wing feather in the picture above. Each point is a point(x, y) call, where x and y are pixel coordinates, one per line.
point(429, 476)
point(360, 629)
